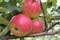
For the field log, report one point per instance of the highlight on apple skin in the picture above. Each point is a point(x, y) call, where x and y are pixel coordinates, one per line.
point(32, 8)
point(20, 25)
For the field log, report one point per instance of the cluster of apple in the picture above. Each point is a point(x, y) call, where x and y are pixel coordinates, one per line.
point(27, 22)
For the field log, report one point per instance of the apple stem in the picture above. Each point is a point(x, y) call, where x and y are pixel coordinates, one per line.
point(45, 22)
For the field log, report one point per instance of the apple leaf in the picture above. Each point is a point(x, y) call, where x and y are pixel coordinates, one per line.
point(58, 10)
point(3, 21)
point(54, 2)
point(1, 1)
point(48, 17)
point(10, 15)
point(5, 29)
point(20, 1)
point(2, 9)
point(12, 2)
point(4, 4)
point(51, 3)
point(9, 6)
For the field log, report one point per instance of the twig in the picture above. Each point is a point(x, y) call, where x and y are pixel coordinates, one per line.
point(52, 26)
point(44, 15)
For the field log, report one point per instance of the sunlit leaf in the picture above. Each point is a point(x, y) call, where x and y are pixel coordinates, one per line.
point(54, 2)
point(1, 1)
point(3, 21)
point(20, 1)
point(2, 9)
point(48, 17)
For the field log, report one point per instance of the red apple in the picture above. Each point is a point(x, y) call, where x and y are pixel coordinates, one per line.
point(38, 26)
point(32, 8)
point(20, 25)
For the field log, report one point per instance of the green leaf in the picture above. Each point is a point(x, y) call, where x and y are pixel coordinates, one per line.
point(51, 3)
point(4, 31)
point(48, 17)
point(10, 15)
point(9, 6)
point(12, 2)
point(54, 2)
point(1, 1)
point(4, 4)
point(58, 10)
point(3, 21)
point(2, 9)
point(20, 1)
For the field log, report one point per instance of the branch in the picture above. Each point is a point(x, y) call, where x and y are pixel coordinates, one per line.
point(42, 34)
point(31, 35)
point(44, 15)
point(52, 26)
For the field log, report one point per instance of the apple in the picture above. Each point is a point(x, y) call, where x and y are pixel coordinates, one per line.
point(20, 25)
point(32, 8)
point(38, 26)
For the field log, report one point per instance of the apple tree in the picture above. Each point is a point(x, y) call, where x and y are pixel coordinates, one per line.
point(29, 19)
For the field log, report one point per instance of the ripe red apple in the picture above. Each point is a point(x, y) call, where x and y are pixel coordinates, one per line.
point(32, 8)
point(20, 25)
point(38, 26)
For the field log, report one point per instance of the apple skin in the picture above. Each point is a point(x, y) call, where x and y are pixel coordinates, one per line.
point(32, 8)
point(20, 25)
point(38, 26)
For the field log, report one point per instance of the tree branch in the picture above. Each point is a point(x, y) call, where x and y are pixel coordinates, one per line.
point(42, 34)
point(43, 15)
point(52, 26)
point(31, 35)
